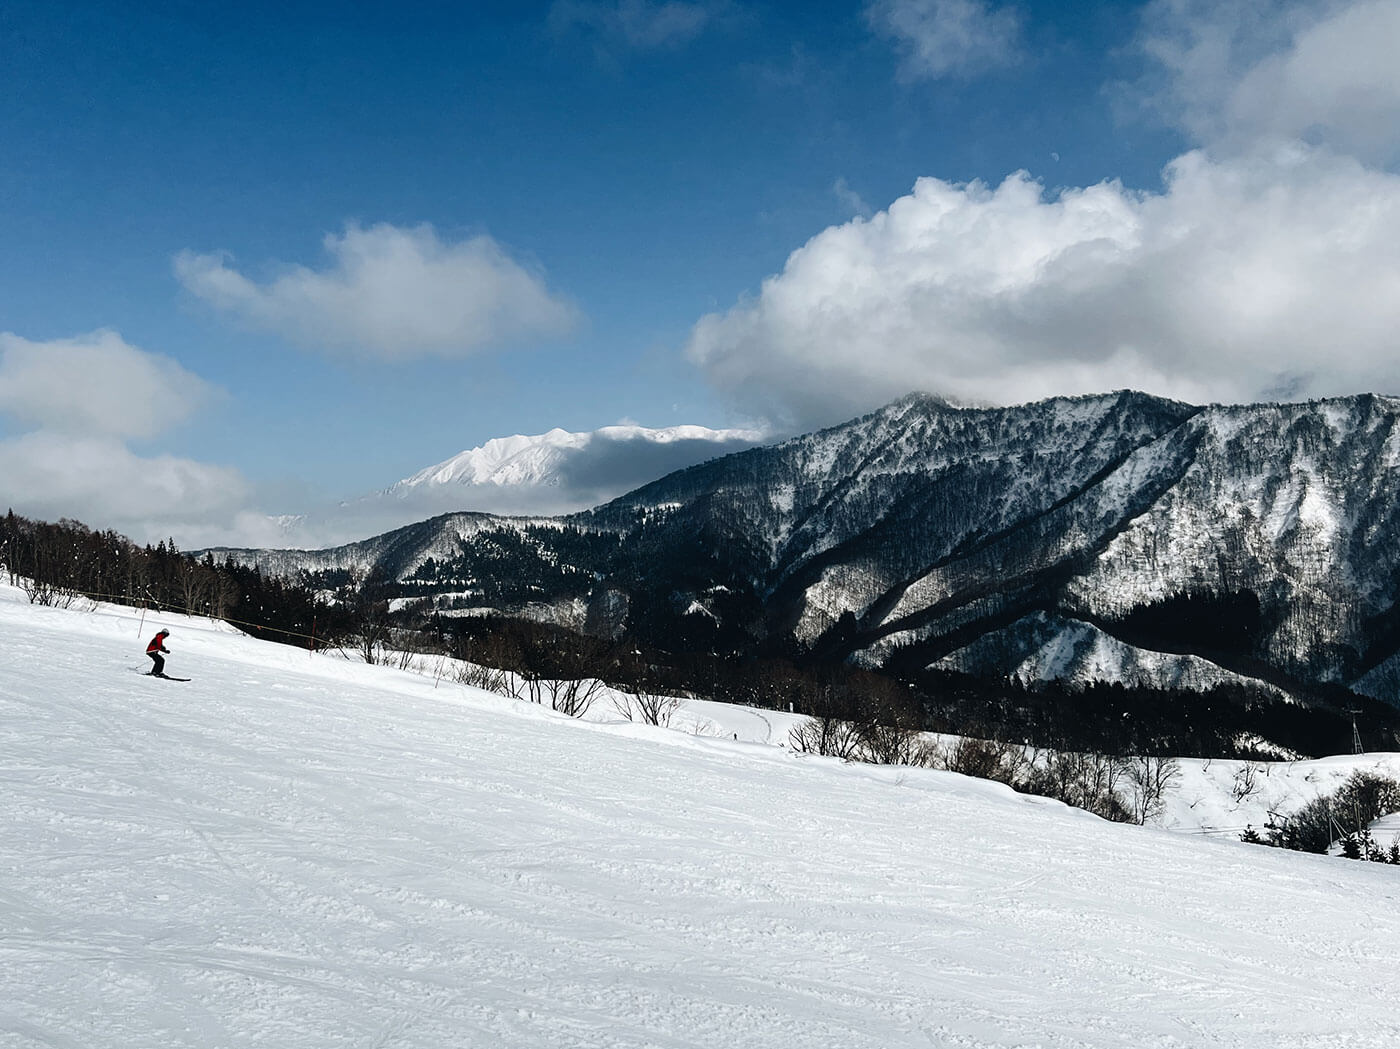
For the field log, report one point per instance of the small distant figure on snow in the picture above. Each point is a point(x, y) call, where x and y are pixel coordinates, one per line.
point(154, 650)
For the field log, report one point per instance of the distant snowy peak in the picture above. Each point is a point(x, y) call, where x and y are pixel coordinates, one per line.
point(512, 460)
point(539, 460)
point(544, 475)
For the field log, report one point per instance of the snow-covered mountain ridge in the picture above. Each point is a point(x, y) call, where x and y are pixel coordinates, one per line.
point(1119, 536)
point(293, 850)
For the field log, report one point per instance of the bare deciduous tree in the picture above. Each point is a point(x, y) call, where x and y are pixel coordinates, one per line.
point(896, 744)
point(1149, 779)
point(644, 704)
point(1085, 780)
point(575, 697)
point(47, 592)
point(828, 736)
point(371, 623)
point(984, 759)
point(1247, 781)
point(489, 679)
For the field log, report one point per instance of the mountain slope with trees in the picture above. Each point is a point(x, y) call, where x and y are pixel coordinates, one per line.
point(1121, 539)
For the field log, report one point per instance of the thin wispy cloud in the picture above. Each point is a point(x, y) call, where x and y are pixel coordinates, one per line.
point(392, 293)
point(948, 38)
point(642, 25)
point(849, 199)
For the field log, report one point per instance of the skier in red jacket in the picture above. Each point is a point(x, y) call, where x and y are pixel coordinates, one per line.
point(154, 649)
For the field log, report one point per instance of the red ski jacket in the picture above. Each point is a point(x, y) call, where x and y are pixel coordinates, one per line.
point(156, 646)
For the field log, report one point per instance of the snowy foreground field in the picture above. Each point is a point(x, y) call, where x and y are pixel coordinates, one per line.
point(291, 851)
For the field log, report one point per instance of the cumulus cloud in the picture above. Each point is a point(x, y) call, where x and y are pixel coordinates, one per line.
point(390, 292)
point(947, 38)
point(642, 25)
point(1267, 267)
point(1325, 72)
point(1266, 275)
point(103, 483)
point(78, 402)
point(95, 384)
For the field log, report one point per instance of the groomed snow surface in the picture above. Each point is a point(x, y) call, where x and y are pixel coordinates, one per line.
point(292, 851)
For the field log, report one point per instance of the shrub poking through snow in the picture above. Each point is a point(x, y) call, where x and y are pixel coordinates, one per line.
point(1343, 816)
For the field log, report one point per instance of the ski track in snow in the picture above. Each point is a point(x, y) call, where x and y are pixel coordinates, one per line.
point(292, 851)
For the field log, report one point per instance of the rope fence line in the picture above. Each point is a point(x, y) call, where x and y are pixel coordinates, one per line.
point(157, 606)
point(154, 605)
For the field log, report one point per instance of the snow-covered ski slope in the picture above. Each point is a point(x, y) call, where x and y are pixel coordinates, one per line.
point(291, 852)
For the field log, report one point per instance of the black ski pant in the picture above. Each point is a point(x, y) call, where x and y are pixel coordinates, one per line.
point(159, 667)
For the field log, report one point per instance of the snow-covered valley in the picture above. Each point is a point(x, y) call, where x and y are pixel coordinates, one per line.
point(299, 851)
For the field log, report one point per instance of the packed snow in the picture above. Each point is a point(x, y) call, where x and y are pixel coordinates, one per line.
point(299, 851)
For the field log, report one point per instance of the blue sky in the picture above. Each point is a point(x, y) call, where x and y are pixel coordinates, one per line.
point(253, 256)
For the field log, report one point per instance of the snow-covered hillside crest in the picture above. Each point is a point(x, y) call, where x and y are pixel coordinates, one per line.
point(923, 529)
point(293, 849)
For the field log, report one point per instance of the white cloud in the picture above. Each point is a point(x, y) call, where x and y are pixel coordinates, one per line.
point(390, 292)
point(95, 383)
point(852, 201)
point(1238, 73)
point(1269, 266)
point(81, 400)
point(947, 38)
point(1265, 275)
point(643, 25)
point(102, 483)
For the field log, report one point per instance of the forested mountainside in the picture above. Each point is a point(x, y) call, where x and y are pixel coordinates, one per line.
point(1119, 538)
